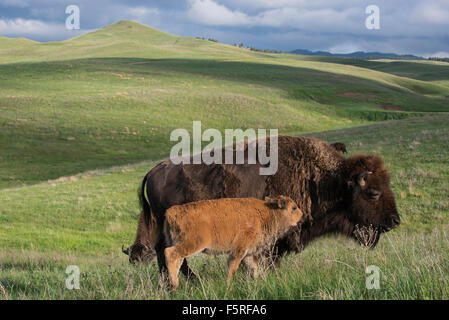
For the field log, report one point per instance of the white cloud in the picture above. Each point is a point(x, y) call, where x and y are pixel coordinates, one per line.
point(37, 29)
point(23, 26)
point(441, 54)
point(300, 4)
point(139, 12)
point(432, 12)
point(210, 13)
point(313, 20)
point(347, 47)
point(14, 3)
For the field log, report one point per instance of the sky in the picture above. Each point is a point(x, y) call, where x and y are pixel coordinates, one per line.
point(418, 27)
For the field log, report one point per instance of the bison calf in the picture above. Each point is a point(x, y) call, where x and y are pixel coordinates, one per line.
point(241, 227)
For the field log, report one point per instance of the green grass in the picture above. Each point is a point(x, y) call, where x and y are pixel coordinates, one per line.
point(82, 120)
point(83, 220)
point(419, 69)
point(411, 267)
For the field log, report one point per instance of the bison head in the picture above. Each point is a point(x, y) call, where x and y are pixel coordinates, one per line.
point(139, 253)
point(373, 207)
point(146, 238)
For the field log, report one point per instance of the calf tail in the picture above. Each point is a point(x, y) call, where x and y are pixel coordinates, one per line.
point(144, 201)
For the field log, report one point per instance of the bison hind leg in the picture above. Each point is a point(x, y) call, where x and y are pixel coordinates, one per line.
point(187, 272)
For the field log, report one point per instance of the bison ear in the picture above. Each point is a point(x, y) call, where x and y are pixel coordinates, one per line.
point(361, 179)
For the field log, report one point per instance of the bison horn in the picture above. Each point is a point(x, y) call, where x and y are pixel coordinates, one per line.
point(361, 178)
point(125, 251)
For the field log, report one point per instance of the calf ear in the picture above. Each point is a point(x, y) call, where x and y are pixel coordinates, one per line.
point(282, 204)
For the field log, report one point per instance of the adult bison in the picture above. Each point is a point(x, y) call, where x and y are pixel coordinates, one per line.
point(350, 195)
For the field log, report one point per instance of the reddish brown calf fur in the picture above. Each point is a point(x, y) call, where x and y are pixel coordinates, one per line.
point(241, 227)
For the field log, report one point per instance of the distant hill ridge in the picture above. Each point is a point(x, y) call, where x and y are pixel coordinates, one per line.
point(130, 37)
point(358, 54)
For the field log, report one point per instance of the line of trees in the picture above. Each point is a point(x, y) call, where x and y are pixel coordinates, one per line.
point(242, 45)
point(439, 59)
point(208, 39)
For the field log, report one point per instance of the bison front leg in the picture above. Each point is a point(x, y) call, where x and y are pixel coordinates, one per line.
point(275, 254)
point(187, 272)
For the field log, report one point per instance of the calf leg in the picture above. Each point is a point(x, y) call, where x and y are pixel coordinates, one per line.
point(252, 263)
point(174, 262)
point(175, 257)
point(233, 263)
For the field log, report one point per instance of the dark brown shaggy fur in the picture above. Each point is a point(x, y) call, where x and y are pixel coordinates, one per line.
point(143, 248)
point(339, 146)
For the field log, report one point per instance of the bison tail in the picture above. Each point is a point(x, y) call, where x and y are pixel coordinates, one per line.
point(167, 235)
point(144, 201)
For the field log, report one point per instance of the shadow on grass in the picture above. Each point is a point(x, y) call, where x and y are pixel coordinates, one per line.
point(298, 83)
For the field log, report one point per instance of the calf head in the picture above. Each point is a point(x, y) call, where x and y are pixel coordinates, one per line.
point(373, 207)
point(287, 209)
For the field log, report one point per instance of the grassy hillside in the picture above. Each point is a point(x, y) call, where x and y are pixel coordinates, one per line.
point(84, 219)
point(419, 69)
point(121, 39)
point(112, 97)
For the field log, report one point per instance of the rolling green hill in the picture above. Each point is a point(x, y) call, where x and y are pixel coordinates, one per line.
point(112, 97)
point(121, 39)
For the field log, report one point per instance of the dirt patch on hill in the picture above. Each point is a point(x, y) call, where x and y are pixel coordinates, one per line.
point(354, 94)
point(349, 94)
point(390, 107)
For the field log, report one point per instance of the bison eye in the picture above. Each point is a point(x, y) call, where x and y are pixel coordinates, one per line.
point(373, 194)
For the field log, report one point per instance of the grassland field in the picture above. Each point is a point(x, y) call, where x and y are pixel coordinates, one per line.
point(82, 120)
